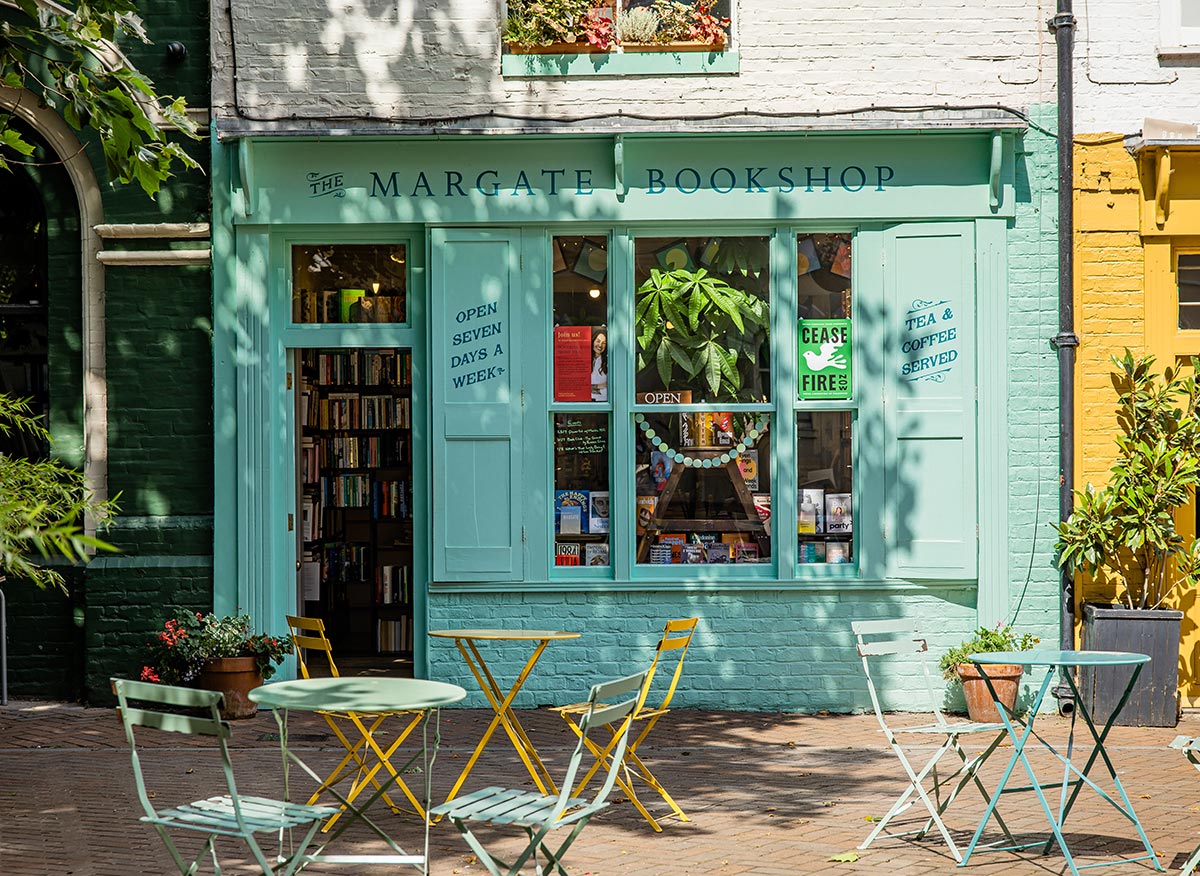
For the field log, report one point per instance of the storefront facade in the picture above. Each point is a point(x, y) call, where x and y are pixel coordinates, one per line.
point(620, 371)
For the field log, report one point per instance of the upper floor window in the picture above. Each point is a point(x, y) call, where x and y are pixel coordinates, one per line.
point(1180, 24)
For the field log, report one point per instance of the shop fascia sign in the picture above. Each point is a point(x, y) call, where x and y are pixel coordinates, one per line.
point(826, 360)
point(517, 182)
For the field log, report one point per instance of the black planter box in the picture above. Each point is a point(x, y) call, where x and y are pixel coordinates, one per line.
point(1154, 701)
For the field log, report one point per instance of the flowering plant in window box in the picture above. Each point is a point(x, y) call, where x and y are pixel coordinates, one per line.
point(558, 27)
point(677, 27)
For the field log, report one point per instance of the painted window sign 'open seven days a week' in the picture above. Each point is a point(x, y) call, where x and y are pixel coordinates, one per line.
point(929, 341)
point(478, 345)
point(826, 359)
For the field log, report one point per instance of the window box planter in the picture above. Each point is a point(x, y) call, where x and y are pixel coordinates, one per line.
point(674, 47)
point(584, 48)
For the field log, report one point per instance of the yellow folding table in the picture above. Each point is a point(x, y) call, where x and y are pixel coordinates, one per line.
point(500, 701)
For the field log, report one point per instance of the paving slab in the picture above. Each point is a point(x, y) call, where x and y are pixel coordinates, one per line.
point(768, 795)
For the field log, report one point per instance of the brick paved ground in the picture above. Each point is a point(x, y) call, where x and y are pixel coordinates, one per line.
point(769, 795)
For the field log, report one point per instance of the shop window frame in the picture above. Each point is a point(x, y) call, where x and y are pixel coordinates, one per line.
point(1174, 37)
point(554, 408)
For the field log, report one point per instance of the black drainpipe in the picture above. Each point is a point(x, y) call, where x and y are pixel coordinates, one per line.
point(1063, 26)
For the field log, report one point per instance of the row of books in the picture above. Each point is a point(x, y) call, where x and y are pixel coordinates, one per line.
point(345, 563)
point(580, 511)
point(366, 367)
point(351, 451)
point(394, 586)
point(572, 553)
point(385, 498)
point(352, 410)
point(821, 513)
point(396, 635)
point(823, 551)
point(703, 547)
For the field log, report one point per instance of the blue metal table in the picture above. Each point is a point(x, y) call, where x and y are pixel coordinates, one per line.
point(1020, 730)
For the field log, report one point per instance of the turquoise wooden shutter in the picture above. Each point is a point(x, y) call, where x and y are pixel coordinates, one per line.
point(476, 406)
point(929, 401)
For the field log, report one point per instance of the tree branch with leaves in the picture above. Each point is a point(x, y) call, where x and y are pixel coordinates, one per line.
point(43, 504)
point(67, 58)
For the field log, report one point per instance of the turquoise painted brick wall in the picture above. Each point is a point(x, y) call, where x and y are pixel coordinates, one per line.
point(792, 649)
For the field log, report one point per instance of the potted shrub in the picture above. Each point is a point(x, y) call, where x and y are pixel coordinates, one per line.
point(1124, 536)
point(215, 653)
point(1005, 678)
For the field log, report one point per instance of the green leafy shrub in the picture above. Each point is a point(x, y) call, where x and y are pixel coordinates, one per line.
point(1001, 638)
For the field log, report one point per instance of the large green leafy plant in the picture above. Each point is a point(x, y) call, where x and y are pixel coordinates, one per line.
point(1127, 528)
point(187, 641)
point(1001, 638)
point(64, 55)
point(709, 330)
point(43, 503)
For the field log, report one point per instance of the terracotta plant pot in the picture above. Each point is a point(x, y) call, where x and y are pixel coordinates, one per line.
point(1006, 679)
point(235, 677)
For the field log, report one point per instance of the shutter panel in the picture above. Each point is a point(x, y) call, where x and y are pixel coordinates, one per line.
point(476, 406)
point(929, 401)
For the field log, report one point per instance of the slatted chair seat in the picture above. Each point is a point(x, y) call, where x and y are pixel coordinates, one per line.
point(142, 705)
point(611, 705)
point(900, 638)
point(218, 815)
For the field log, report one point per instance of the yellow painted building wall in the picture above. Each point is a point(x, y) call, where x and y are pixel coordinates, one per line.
point(1125, 296)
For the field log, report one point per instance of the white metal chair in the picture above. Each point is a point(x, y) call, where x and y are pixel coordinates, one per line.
point(880, 638)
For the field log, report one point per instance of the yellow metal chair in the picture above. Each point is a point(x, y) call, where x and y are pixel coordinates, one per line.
point(308, 634)
point(672, 647)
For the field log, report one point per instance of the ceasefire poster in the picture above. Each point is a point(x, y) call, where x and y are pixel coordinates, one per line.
point(825, 363)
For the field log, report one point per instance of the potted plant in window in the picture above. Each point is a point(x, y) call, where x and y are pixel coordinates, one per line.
point(698, 323)
point(540, 27)
point(215, 653)
point(1124, 536)
point(678, 27)
point(1005, 678)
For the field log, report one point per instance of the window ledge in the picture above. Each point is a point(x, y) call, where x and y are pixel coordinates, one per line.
point(1179, 51)
point(621, 64)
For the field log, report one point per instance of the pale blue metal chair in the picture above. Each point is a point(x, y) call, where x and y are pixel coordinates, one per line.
point(882, 638)
point(144, 705)
point(610, 704)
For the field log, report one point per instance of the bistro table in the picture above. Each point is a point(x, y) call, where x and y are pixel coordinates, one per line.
point(355, 694)
point(502, 703)
point(1020, 731)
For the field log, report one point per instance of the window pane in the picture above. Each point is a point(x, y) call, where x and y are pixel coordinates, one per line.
point(702, 315)
point(825, 502)
point(580, 318)
point(703, 488)
point(349, 283)
point(1189, 13)
point(581, 490)
point(1189, 291)
point(823, 265)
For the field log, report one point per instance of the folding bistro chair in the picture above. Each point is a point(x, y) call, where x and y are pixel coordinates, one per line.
point(610, 704)
point(1190, 746)
point(901, 637)
point(671, 647)
point(308, 634)
point(141, 704)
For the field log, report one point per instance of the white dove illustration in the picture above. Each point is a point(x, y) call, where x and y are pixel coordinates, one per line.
point(829, 358)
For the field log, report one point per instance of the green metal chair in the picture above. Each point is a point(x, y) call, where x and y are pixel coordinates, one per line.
point(144, 705)
point(1190, 746)
point(611, 704)
point(879, 638)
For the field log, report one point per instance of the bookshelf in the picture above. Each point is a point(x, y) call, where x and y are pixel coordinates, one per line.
point(356, 502)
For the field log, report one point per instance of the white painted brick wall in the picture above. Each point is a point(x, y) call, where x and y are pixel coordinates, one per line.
point(401, 59)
